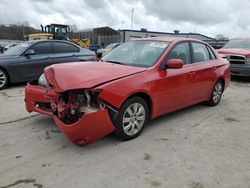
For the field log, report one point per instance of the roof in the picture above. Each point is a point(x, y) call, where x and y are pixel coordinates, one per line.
point(58, 25)
point(40, 34)
point(100, 31)
point(105, 31)
point(49, 40)
point(186, 35)
point(241, 38)
point(169, 39)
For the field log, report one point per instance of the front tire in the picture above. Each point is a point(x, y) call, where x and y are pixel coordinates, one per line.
point(4, 80)
point(132, 117)
point(216, 93)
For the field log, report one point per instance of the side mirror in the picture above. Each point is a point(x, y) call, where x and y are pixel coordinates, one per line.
point(99, 55)
point(174, 64)
point(29, 52)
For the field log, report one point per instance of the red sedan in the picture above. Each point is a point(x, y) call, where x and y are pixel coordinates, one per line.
point(136, 82)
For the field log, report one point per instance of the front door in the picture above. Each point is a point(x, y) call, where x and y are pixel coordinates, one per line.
point(31, 67)
point(174, 86)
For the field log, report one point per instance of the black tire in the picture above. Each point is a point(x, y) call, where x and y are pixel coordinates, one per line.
point(136, 125)
point(4, 79)
point(216, 93)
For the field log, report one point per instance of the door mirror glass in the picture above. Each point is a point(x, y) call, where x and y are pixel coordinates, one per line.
point(174, 64)
point(99, 54)
point(29, 52)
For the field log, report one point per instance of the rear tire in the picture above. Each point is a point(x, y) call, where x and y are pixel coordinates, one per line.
point(216, 93)
point(4, 79)
point(131, 119)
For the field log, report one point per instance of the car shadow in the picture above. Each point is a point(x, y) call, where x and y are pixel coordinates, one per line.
point(45, 128)
point(240, 79)
point(47, 125)
point(49, 132)
point(16, 85)
point(175, 115)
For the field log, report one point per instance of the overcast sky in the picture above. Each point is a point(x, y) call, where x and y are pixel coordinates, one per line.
point(209, 17)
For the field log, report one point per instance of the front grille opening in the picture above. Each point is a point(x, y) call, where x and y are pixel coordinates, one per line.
point(235, 59)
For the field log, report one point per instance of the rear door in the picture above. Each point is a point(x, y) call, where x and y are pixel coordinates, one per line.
point(65, 52)
point(31, 67)
point(203, 74)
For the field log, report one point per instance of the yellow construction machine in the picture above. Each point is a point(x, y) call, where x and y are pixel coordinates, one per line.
point(58, 32)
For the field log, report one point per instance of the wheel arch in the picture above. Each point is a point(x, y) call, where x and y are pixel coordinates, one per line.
point(223, 82)
point(146, 97)
point(5, 70)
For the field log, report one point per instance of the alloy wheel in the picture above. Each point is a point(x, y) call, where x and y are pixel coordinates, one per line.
point(133, 119)
point(3, 79)
point(217, 92)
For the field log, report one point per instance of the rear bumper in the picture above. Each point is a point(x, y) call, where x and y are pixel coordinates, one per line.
point(240, 70)
point(89, 128)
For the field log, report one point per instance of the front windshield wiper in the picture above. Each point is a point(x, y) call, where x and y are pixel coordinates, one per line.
point(115, 62)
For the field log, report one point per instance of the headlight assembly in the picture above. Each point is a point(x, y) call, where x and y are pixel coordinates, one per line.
point(43, 82)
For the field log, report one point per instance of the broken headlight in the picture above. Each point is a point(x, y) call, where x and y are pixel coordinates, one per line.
point(72, 105)
point(43, 81)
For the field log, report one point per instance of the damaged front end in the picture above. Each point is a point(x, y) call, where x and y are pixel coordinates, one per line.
point(72, 105)
point(82, 116)
point(80, 113)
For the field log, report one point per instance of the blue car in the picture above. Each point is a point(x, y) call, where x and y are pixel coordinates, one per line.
point(26, 61)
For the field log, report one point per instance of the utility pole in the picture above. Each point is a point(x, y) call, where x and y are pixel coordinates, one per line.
point(23, 32)
point(132, 18)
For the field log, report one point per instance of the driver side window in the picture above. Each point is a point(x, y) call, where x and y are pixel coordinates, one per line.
point(181, 51)
point(42, 48)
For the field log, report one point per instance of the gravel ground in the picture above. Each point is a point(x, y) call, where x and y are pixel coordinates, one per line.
point(198, 147)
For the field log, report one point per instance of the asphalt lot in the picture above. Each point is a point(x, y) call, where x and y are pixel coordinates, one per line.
point(198, 147)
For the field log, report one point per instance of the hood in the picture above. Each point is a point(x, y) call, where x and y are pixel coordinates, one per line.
point(79, 75)
point(236, 51)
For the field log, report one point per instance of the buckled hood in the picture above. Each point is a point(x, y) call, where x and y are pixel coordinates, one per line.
point(79, 75)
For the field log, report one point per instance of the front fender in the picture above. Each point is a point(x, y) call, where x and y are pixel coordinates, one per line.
point(118, 91)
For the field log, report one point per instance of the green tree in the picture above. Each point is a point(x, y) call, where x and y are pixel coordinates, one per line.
point(221, 37)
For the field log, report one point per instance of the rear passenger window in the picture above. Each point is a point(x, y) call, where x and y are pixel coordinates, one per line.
point(212, 56)
point(73, 48)
point(181, 51)
point(41, 48)
point(61, 47)
point(201, 52)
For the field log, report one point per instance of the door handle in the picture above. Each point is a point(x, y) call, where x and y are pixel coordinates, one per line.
point(192, 73)
point(213, 68)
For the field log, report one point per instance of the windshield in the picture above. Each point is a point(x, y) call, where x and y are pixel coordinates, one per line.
point(137, 53)
point(111, 46)
point(18, 49)
point(245, 44)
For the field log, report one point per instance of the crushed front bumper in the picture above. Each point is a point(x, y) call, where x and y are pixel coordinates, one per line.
point(91, 127)
point(35, 94)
